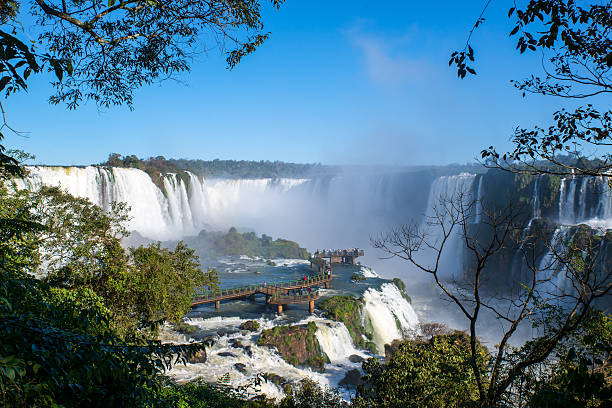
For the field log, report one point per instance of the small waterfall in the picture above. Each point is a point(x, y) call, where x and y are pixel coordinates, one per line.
point(447, 188)
point(582, 203)
point(390, 315)
point(536, 199)
point(368, 272)
point(479, 198)
point(335, 341)
point(549, 267)
point(567, 201)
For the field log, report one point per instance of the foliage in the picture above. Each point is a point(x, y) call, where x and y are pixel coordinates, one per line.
point(581, 375)
point(110, 48)
point(184, 328)
point(198, 394)
point(400, 284)
point(57, 348)
point(308, 394)
point(233, 169)
point(357, 277)
point(235, 243)
point(432, 373)
point(164, 282)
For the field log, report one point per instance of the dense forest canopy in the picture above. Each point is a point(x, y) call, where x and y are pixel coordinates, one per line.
point(232, 242)
point(252, 169)
point(238, 169)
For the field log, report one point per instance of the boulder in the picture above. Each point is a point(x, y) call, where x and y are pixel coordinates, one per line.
point(351, 379)
point(250, 325)
point(199, 357)
point(356, 359)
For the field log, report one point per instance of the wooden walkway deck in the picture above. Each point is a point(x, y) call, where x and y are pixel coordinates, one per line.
point(276, 293)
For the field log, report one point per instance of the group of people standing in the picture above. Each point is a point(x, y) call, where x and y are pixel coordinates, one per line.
point(337, 252)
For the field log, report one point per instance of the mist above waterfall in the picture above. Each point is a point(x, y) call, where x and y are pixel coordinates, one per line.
point(321, 212)
point(343, 210)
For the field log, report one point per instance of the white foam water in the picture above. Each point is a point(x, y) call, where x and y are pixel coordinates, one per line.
point(225, 355)
point(368, 272)
point(390, 315)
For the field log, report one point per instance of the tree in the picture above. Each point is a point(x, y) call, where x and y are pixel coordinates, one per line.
point(165, 282)
point(423, 373)
point(574, 39)
point(580, 375)
point(78, 246)
point(108, 48)
point(58, 345)
point(309, 394)
point(537, 297)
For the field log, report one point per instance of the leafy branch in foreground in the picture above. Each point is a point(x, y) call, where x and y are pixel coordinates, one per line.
point(576, 45)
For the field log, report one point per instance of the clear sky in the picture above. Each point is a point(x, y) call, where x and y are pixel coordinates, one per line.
point(339, 82)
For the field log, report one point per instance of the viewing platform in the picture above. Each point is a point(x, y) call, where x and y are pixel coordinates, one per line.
point(340, 256)
point(277, 293)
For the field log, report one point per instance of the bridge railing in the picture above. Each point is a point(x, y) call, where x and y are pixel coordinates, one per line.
point(340, 252)
point(293, 298)
point(247, 290)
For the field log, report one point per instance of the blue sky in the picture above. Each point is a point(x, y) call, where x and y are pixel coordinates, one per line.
point(339, 82)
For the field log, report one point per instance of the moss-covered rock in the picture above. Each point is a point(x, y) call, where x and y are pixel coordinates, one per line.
point(298, 345)
point(198, 357)
point(348, 310)
point(400, 284)
point(357, 277)
point(250, 325)
point(185, 328)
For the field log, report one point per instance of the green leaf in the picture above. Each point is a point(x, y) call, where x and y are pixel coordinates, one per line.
point(5, 80)
point(59, 72)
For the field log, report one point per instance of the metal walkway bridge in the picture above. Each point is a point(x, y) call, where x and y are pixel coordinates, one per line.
point(277, 293)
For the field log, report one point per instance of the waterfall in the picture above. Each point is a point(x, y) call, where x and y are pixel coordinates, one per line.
point(567, 201)
point(549, 268)
point(582, 203)
point(585, 200)
point(479, 198)
point(390, 315)
point(536, 199)
point(343, 210)
point(447, 188)
point(178, 209)
point(335, 341)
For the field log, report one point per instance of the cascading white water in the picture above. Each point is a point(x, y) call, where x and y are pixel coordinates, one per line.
point(237, 357)
point(550, 270)
point(368, 272)
point(390, 315)
point(585, 200)
point(536, 199)
point(179, 209)
point(335, 341)
point(339, 211)
point(447, 188)
point(479, 198)
point(567, 202)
